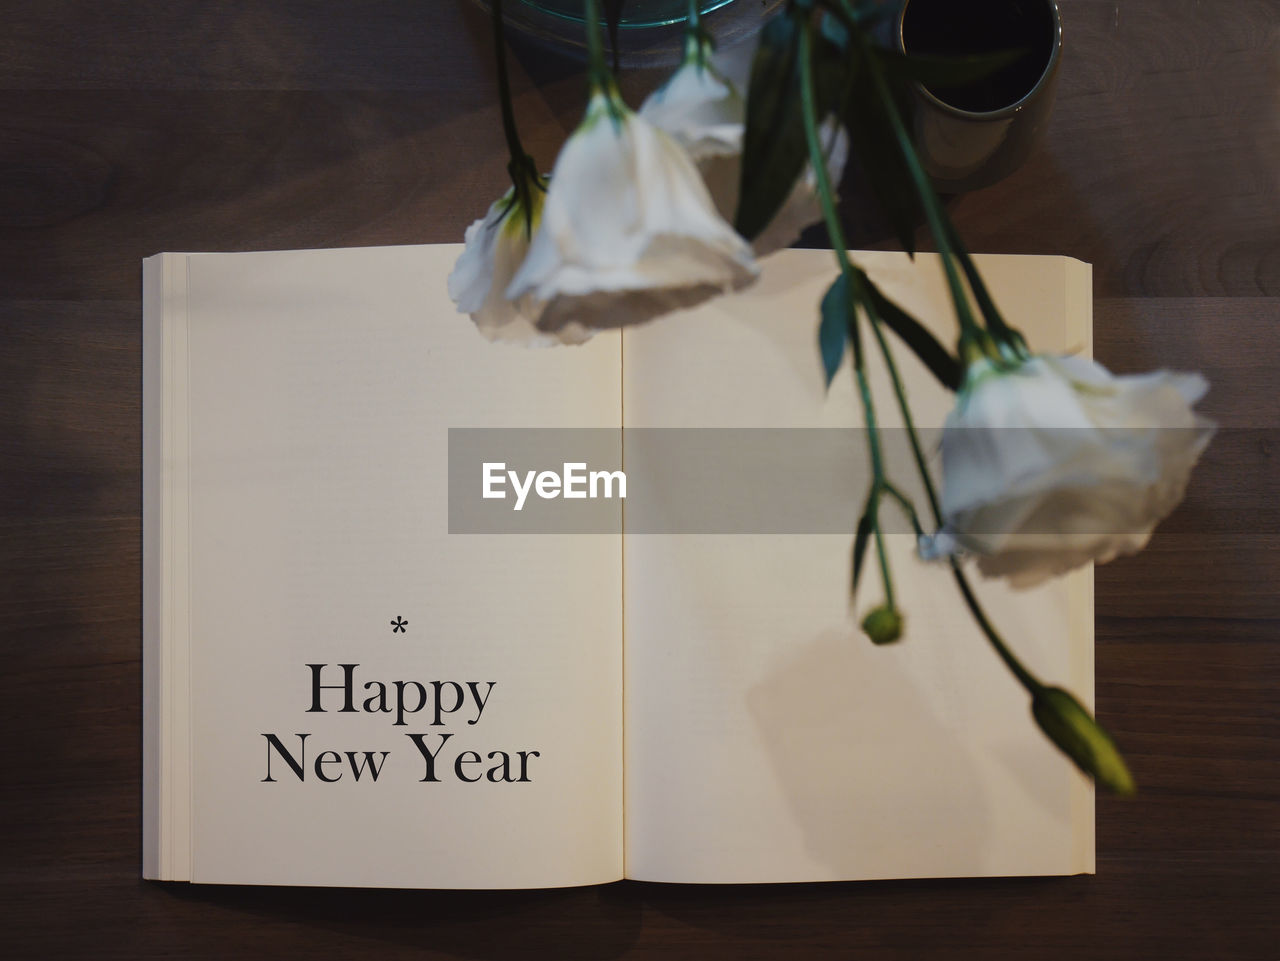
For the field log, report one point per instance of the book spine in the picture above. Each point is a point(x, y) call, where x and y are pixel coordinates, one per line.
point(166, 783)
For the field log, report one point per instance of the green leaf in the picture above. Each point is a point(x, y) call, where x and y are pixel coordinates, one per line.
point(832, 30)
point(1065, 721)
point(773, 142)
point(774, 147)
point(832, 67)
point(860, 541)
point(872, 135)
point(833, 332)
point(915, 335)
point(933, 70)
point(868, 13)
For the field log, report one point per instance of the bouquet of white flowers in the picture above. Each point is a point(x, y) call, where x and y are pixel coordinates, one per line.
point(1048, 462)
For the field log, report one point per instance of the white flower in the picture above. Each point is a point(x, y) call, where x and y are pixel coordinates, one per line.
point(1058, 462)
point(703, 111)
point(700, 108)
point(628, 230)
point(496, 246)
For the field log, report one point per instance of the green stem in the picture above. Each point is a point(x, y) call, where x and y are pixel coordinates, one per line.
point(900, 392)
point(816, 157)
point(943, 232)
point(696, 40)
point(599, 77)
point(1011, 661)
point(1025, 677)
point(905, 503)
point(520, 166)
point(515, 150)
point(933, 211)
point(877, 469)
point(826, 198)
point(995, 320)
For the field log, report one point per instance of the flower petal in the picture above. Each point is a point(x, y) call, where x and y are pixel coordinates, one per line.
point(701, 109)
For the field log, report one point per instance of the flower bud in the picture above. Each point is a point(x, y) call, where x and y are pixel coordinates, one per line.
point(1081, 738)
point(883, 625)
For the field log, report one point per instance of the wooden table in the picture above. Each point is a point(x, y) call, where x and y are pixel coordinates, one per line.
point(131, 128)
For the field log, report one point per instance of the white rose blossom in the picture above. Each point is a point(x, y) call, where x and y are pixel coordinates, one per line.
point(495, 247)
point(700, 107)
point(1058, 462)
point(628, 230)
point(703, 111)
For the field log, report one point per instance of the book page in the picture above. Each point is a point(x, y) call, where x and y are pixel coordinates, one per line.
point(376, 701)
point(767, 739)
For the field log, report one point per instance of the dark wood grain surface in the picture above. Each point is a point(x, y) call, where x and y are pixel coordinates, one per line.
point(128, 128)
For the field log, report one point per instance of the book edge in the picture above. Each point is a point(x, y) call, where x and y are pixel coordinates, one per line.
point(1079, 304)
point(166, 784)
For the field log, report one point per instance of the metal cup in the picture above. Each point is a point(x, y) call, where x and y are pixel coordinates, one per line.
point(967, 149)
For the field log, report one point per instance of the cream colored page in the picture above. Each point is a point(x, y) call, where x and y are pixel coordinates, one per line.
point(767, 739)
point(323, 385)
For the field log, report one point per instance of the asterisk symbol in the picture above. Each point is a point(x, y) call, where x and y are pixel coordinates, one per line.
point(398, 625)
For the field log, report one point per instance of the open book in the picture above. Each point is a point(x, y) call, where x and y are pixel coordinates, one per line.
point(361, 670)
